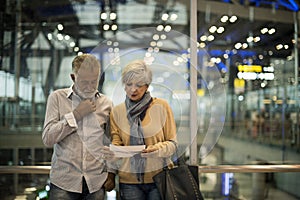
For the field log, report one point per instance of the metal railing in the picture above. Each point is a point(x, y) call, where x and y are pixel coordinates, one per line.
point(256, 189)
point(202, 169)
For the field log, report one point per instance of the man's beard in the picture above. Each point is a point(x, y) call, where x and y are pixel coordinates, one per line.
point(84, 95)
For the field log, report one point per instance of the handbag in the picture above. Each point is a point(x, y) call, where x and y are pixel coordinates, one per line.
point(178, 183)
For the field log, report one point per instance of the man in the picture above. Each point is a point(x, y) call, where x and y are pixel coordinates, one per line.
point(75, 125)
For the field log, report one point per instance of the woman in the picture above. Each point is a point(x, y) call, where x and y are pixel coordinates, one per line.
point(142, 120)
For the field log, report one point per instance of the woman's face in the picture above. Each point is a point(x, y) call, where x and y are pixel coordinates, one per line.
point(135, 91)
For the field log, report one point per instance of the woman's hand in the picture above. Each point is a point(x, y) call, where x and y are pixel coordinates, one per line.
point(150, 152)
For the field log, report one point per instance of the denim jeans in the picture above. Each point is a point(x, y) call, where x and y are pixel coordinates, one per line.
point(139, 191)
point(57, 193)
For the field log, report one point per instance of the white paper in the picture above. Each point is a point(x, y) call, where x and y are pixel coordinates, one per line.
point(126, 151)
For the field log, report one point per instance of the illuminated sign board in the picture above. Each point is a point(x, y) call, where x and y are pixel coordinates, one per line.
point(250, 68)
point(255, 72)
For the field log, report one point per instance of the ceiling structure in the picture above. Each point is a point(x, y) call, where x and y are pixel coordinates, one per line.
point(81, 22)
point(81, 19)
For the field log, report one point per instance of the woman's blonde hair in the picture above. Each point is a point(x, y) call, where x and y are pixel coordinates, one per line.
point(138, 72)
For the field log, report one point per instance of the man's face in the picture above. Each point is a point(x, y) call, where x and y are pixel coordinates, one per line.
point(86, 82)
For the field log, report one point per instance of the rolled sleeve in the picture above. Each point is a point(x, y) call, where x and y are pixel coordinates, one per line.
point(70, 119)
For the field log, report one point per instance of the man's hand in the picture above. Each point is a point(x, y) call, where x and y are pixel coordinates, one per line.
point(109, 184)
point(85, 107)
point(107, 154)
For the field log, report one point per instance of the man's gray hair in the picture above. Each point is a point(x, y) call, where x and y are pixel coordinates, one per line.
point(86, 61)
point(137, 71)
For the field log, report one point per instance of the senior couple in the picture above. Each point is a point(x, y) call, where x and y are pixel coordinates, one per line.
point(80, 123)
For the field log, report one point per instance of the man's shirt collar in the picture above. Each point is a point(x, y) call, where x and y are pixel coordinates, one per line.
point(70, 92)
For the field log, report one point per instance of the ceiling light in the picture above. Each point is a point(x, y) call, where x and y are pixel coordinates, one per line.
point(168, 28)
point(257, 39)
point(159, 43)
point(279, 46)
point(250, 39)
point(202, 45)
point(163, 36)
point(233, 19)
point(113, 16)
point(210, 38)
point(103, 16)
point(203, 38)
point(147, 54)
point(245, 45)
point(224, 18)
point(175, 62)
point(32, 189)
point(165, 17)
point(213, 59)
point(179, 59)
point(67, 37)
point(60, 27)
point(160, 27)
point(152, 43)
point(221, 29)
point(241, 98)
point(212, 29)
point(263, 84)
point(60, 36)
point(173, 17)
point(105, 27)
point(114, 27)
point(272, 31)
point(238, 45)
point(160, 79)
point(72, 44)
point(110, 50)
point(109, 42)
point(49, 36)
point(264, 30)
point(150, 49)
point(155, 37)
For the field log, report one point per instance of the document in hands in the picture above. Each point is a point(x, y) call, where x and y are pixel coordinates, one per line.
point(126, 151)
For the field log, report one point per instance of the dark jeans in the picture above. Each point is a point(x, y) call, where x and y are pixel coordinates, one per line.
point(57, 193)
point(139, 192)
